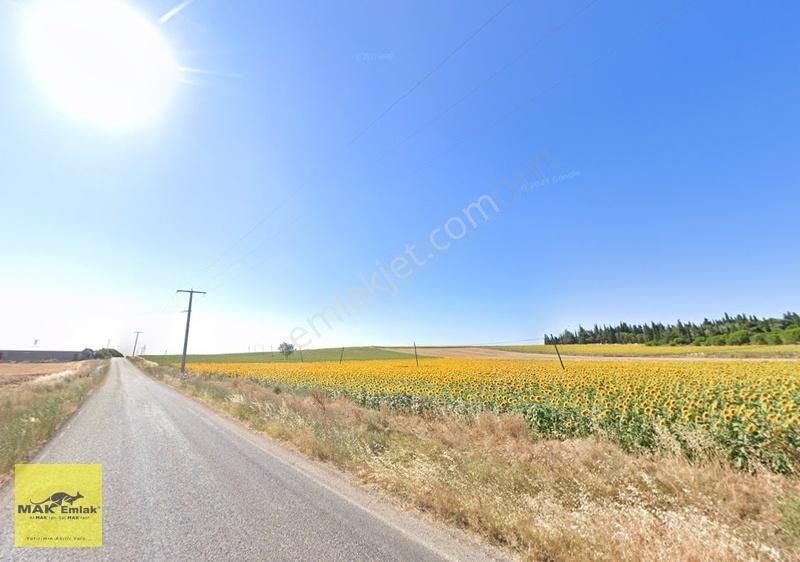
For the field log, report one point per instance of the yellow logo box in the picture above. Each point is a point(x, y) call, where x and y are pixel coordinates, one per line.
point(58, 505)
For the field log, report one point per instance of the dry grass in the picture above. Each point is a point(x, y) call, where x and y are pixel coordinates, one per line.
point(582, 499)
point(30, 412)
point(14, 374)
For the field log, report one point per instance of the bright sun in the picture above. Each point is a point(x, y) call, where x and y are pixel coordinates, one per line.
point(99, 60)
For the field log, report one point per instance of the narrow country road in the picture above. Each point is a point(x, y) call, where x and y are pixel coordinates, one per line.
point(183, 483)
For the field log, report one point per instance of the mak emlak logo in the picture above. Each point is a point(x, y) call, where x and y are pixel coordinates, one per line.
point(60, 501)
point(48, 516)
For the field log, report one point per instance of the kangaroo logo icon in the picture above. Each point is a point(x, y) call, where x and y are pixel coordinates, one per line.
point(58, 499)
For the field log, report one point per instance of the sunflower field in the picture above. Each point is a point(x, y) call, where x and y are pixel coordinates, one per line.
point(748, 410)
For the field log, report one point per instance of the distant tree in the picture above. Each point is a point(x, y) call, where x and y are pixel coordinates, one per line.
point(106, 353)
point(739, 337)
point(286, 348)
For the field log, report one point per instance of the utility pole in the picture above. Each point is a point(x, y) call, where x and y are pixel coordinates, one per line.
point(188, 320)
point(136, 341)
point(559, 356)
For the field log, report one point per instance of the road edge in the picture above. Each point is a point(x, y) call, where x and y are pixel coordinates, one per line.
point(448, 542)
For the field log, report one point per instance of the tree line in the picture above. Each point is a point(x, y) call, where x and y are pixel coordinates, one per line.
point(728, 330)
point(106, 353)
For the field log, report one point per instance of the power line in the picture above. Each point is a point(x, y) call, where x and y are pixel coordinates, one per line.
point(360, 134)
point(241, 238)
point(522, 54)
point(430, 73)
point(551, 33)
point(554, 31)
point(657, 24)
point(231, 264)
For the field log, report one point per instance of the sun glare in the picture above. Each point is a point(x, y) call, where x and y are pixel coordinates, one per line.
point(99, 60)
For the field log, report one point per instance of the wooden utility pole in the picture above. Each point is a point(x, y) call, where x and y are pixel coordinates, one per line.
point(559, 356)
point(188, 320)
point(135, 342)
point(415, 353)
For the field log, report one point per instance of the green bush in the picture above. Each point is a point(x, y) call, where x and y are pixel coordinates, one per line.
point(792, 335)
point(717, 340)
point(679, 340)
point(739, 337)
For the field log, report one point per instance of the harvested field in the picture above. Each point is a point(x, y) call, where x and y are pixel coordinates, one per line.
point(12, 374)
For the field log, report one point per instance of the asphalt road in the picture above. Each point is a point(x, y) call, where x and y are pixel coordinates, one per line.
point(183, 483)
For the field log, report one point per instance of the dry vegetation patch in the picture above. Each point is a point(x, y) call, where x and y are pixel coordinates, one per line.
point(32, 410)
point(12, 374)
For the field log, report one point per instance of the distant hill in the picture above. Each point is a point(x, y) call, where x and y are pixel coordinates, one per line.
point(729, 330)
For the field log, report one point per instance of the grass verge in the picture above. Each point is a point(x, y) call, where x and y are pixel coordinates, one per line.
point(578, 499)
point(32, 412)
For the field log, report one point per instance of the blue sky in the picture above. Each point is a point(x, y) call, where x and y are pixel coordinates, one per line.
point(642, 156)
